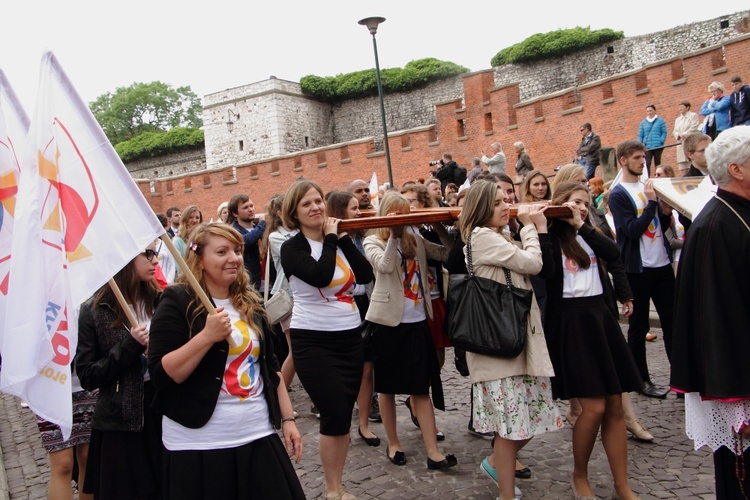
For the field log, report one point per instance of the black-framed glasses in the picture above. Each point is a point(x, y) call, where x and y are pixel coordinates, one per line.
point(149, 254)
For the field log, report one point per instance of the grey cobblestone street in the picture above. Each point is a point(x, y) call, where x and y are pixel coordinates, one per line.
point(666, 468)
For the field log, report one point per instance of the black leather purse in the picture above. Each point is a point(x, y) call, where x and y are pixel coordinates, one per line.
point(487, 317)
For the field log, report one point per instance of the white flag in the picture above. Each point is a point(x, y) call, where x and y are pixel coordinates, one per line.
point(80, 218)
point(14, 125)
point(374, 191)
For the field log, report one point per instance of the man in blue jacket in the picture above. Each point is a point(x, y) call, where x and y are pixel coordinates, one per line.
point(646, 254)
point(652, 132)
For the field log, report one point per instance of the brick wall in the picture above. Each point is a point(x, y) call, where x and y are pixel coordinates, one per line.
point(548, 126)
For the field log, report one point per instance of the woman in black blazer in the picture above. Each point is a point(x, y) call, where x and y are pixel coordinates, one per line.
point(221, 404)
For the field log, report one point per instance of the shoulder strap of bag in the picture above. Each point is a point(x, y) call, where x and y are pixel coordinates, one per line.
point(268, 274)
point(469, 263)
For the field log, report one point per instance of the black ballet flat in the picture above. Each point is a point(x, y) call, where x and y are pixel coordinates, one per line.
point(373, 441)
point(398, 458)
point(446, 463)
point(524, 473)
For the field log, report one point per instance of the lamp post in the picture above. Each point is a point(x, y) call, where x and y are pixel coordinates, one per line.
point(230, 123)
point(372, 25)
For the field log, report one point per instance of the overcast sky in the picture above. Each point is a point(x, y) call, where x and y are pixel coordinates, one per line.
point(220, 44)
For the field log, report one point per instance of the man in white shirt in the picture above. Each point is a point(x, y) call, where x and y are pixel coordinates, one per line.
point(646, 255)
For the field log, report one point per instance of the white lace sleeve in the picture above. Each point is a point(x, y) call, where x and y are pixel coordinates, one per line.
point(714, 423)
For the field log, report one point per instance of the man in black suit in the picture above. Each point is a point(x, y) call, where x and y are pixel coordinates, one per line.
point(173, 216)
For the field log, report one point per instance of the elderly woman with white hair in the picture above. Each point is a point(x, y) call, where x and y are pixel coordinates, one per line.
point(712, 319)
point(716, 111)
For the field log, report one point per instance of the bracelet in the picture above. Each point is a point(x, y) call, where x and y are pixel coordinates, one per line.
point(290, 419)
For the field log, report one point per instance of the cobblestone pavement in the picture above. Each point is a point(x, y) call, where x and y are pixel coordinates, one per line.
point(666, 468)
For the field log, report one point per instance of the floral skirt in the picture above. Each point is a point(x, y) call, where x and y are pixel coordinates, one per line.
point(517, 408)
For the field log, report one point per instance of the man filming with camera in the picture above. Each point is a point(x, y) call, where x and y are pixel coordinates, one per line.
point(448, 171)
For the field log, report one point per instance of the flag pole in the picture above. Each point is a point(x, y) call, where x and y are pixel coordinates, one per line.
point(123, 303)
point(191, 279)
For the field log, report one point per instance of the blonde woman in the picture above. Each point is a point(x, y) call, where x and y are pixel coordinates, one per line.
point(403, 353)
point(190, 218)
point(222, 405)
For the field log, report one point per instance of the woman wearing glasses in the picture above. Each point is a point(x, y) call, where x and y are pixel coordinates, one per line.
point(125, 451)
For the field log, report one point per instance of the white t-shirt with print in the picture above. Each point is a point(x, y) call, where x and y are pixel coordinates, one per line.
point(241, 414)
point(653, 253)
point(327, 309)
point(579, 282)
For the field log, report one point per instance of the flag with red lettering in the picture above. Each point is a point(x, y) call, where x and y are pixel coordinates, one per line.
point(80, 218)
point(14, 125)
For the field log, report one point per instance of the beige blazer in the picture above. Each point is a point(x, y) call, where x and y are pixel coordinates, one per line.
point(387, 299)
point(491, 253)
point(683, 125)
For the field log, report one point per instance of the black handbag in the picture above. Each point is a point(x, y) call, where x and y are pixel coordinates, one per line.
point(487, 317)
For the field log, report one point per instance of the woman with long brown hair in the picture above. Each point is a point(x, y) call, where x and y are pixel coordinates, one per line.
point(125, 454)
point(221, 404)
point(190, 218)
point(591, 358)
point(344, 205)
point(535, 187)
point(512, 397)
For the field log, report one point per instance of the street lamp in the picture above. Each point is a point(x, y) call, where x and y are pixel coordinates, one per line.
point(230, 123)
point(372, 25)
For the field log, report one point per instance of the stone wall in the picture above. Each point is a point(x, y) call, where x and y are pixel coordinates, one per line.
point(544, 77)
point(168, 165)
point(273, 117)
point(403, 110)
point(548, 125)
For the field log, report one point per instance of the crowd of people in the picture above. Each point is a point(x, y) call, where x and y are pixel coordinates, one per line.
point(177, 387)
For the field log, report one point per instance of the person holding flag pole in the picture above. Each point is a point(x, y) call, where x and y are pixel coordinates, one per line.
point(221, 404)
point(125, 453)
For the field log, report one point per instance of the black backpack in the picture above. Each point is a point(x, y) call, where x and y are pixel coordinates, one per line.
point(459, 176)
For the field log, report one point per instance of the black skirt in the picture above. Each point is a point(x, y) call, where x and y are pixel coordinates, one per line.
point(127, 465)
point(405, 361)
point(329, 365)
point(258, 470)
point(591, 358)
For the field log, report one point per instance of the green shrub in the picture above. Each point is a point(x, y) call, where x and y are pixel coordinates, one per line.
point(152, 144)
point(554, 44)
point(365, 84)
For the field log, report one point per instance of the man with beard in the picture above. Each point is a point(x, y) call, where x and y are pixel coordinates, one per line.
point(242, 217)
point(361, 190)
point(173, 216)
point(646, 254)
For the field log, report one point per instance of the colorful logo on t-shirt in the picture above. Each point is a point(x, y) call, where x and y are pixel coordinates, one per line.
point(411, 281)
point(242, 376)
point(343, 279)
point(650, 232)
point(572, 266)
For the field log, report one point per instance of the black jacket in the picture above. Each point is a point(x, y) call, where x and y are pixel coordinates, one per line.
point(110, 359)
point(446, 174)
point(739, 107)
point(192, 402)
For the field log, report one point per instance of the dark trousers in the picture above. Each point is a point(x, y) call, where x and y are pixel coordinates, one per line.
point(727, 483)
point(656, 155)
point(656, 284)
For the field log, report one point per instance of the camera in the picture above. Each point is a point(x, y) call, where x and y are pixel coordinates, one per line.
point(437, 162)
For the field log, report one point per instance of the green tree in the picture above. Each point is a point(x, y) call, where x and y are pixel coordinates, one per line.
point(146, 107)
